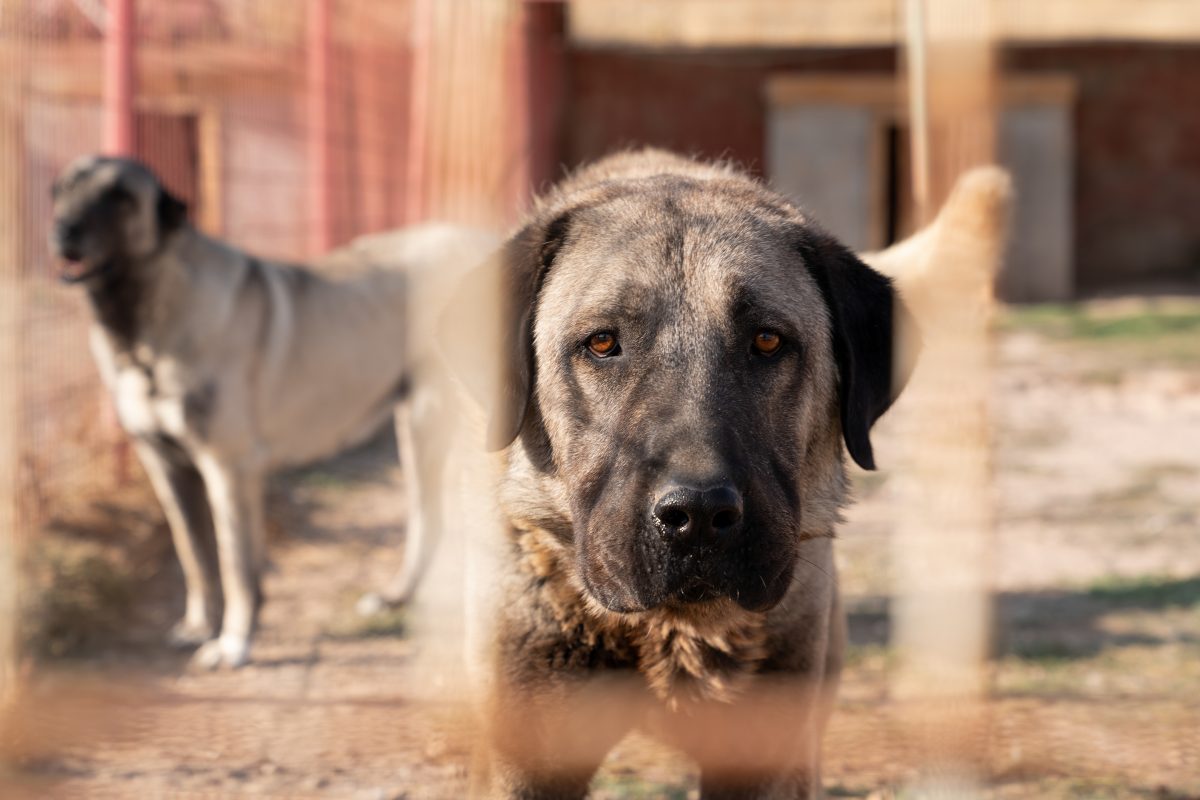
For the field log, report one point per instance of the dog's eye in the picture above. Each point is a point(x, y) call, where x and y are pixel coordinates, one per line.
point(603, 344)
point(767, 343)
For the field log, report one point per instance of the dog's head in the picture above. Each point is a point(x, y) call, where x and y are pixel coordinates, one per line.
point(108, 213)
point(683, 357)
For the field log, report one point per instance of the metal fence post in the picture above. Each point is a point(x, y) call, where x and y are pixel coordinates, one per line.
point(420, 76)
point(320, 145)
point(941, 547)
point(12, 256)
point(120, 139)
point(535, 86)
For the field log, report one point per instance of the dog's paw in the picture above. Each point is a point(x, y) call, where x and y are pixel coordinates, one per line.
point(370, 604)
point(186, 635)
point(224, 651)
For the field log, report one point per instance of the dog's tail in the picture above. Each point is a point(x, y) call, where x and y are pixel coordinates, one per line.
point(968, 234)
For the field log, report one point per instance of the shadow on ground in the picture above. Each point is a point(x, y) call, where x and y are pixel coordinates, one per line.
point(1056, 623)
point(101, 580)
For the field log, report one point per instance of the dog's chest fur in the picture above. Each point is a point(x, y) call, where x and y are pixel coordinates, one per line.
point(153, 395)
point(709, 655)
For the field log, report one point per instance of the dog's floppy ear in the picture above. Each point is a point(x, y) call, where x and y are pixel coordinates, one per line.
point(171, 212)
point(865, 311)
point(487, 329)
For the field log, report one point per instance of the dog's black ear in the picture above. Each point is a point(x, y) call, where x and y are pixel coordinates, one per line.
point(487, 329)
point(865, 311)
point(172, 212)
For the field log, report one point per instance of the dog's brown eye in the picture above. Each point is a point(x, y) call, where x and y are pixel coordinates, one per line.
point(767, 343)
point(602, 344)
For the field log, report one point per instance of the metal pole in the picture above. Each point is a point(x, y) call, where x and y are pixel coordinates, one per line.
point(13, 102)
point(918, 105)
point(534, 96)
point(944, 520)
point(320, 145)
point(120, 77)
point(420, 75)
point(120, 139)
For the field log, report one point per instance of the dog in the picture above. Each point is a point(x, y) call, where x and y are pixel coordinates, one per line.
point(223, 367)
point(684, 357)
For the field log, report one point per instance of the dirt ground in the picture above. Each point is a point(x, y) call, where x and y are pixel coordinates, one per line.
point(1095, 676)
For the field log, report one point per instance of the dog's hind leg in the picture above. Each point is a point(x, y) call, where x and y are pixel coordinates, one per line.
point(236, 497)
point(423, 445)
point(180, 490)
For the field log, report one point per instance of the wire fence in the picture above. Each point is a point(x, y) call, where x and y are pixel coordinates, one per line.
point(288, 129)
point(291, 127)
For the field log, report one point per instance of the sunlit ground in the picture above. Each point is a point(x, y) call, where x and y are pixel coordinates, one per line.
point(1095, 678)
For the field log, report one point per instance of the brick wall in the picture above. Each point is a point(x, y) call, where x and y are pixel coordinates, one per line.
point(1137, 124)
point(1137, 181)
point(710, 103)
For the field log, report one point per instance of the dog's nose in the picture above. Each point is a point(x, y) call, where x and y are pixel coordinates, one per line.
point(689, 511)
point(67, 236)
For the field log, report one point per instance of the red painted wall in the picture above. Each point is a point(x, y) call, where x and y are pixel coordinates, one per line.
point(709, 103)
point(1137, 123)
point(1137, 158)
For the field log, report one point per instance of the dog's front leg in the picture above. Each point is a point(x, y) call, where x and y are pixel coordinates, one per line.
point(180, 490)
point(542, 761)
point(235, 494)
point(796, 784)
point(546, 740)
point(423, 438)
point(783, 764)
point(764, 746)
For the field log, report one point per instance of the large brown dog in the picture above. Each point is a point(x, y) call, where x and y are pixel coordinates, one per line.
point(684, 354)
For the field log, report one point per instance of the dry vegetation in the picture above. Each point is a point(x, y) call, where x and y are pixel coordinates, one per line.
point(1095, 676)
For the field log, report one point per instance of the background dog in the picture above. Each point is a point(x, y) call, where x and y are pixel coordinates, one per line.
point(223, 366)
point(683, 354)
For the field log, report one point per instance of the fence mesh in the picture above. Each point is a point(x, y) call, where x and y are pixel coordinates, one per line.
point(277, 147)
point(291, 127)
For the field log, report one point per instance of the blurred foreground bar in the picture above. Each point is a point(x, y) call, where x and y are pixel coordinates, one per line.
point(12, 146)
point(944, 508)
point(820, 23)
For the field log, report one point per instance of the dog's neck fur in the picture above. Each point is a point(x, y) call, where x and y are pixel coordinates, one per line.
point(118, 299)
point(134, 295)
point(708, 654)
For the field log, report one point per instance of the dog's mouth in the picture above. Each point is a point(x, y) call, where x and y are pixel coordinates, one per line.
point(696, 591)
point(78, 270)
point(692, 588)
point(754, 584)
point(71, 261)
point(752, 595)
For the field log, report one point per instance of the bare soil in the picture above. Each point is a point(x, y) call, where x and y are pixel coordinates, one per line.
point(1094, 678)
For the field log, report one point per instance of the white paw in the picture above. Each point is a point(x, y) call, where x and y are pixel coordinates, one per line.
point(224, 651)
point(370, 604)
point(187, 634)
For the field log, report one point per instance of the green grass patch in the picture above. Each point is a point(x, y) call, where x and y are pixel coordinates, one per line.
point(1049, 654)
point(349, 624)
point(631, 787)
point(1101, 323)
point(863, 655)
point(1154, 592)
point(1141, 332)
point(76, 600)
point(322, 477)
